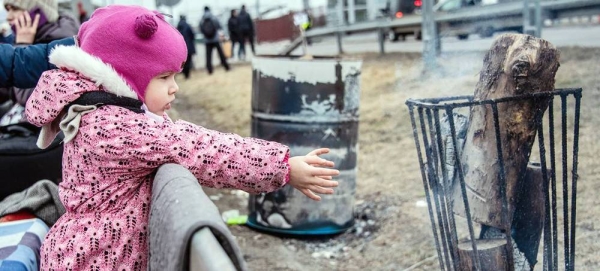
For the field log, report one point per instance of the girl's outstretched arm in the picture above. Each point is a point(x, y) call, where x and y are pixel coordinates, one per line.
point(218, 160)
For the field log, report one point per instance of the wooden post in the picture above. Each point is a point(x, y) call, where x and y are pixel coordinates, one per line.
point(515, 65)
point(340, 22)
point(492, 255)
point(529, 27)
point(304, 43)
point(381, 39)
point(429, 35)
point(538, 19)
point(338, 35)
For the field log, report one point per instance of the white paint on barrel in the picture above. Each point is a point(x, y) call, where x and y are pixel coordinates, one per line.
point(351, 95)
point(311, 71)
point(319, 107)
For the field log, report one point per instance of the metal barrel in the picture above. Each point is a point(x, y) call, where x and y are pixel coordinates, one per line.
point(307, 104)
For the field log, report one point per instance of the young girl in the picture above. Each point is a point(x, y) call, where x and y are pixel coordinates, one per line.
point(126, 60)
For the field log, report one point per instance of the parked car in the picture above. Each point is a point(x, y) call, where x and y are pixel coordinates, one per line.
point(398, 9)
point(484, 27)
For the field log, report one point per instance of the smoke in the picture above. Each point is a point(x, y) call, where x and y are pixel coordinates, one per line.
point(456, 74)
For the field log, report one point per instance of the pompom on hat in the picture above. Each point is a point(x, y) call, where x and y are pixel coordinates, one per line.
point(48, 7)
point(136, 42)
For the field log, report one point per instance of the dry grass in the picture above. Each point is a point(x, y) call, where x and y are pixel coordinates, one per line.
point(387, 167)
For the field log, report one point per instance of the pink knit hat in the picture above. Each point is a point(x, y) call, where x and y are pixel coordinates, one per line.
point(138, 43)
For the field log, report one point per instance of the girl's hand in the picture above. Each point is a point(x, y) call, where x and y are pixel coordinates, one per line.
point(26, 29)
point(308, 176)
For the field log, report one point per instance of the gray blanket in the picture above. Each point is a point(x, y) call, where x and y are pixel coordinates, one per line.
point(41, 199)
point(179, 209)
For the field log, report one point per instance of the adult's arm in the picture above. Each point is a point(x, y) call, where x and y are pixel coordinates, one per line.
point(23, 66)
point(251, 23)
point(10, 39)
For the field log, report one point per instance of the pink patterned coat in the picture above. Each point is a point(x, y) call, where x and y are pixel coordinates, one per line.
point(109, 166)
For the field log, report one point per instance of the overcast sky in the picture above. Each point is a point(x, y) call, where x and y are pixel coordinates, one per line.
point(194, 8)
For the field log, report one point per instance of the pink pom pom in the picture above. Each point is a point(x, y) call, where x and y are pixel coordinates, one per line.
point(145, 26)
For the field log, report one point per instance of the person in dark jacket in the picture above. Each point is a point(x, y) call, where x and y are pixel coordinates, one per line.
point(33, 22)
point(212, 39)
point(246, 27)
point(188, 35)
point(235, 35)
point(22, 66)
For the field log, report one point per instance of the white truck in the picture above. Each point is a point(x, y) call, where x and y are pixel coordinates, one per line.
point(484, 26)
point(400, 10)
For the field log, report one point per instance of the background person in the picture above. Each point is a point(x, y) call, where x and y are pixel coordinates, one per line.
point(246, 28)
point(235, 35)
point(190, 40)
point(210, 27)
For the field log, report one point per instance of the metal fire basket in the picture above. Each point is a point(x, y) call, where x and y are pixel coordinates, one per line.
point(439, 127)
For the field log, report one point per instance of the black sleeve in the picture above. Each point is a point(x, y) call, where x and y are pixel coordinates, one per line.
point(7, 55)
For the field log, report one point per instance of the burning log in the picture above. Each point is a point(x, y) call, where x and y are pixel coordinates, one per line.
point(515, 65)
point(528, 220)
point(527, 224)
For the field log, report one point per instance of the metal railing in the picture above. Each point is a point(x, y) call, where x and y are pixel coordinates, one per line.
point(467, 15)
point(186, 228)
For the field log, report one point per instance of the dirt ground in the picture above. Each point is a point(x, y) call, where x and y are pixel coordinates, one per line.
point(389, 183)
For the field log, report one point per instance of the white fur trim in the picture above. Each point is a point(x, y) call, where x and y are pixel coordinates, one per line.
point(72, 57)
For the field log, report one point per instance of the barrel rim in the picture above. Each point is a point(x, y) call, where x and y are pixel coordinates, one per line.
point(322, 119)
point(321, 231)
point(337, 58)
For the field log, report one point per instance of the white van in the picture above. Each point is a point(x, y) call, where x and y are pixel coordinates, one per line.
point(485, 27)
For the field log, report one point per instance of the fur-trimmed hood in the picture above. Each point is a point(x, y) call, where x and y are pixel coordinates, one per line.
point(79, 73)
point(102, 74)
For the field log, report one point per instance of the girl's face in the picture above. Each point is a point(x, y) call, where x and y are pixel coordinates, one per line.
point(160, 93)
point(13, 13)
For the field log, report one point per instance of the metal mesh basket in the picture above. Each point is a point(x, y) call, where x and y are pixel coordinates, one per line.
point(439, 129)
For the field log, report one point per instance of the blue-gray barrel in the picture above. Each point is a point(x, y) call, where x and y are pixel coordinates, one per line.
point(307, 104)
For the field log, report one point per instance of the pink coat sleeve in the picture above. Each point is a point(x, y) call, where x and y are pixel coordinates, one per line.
point(216, 159)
